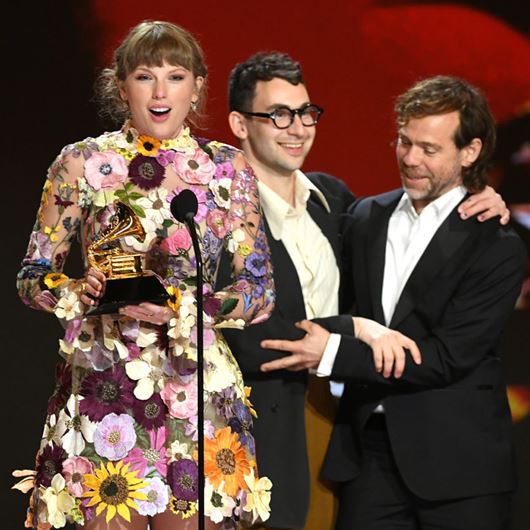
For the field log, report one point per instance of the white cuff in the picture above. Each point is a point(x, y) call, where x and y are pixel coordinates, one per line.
point(328, 357)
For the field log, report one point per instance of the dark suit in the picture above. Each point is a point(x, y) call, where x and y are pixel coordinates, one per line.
point(279, 397)
point(448, 420)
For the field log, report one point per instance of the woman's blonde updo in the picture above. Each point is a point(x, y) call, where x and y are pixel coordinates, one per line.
point(150, 43)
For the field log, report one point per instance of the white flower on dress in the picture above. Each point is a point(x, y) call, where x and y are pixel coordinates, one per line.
point(217, 504)
point(148, 371)
point(259, 497)
point(221, 191)
point(68, 307)
point(58, 502)
point(75, 428)
point(218, 373)
point(177, 451)
point(53, 432)
point(235, 239)
point(150, 227)
point(155, 206)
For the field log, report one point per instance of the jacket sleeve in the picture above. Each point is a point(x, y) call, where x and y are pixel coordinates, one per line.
point(467, 332)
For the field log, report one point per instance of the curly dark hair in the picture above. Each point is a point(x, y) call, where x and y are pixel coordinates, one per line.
point(262, 66)
point(442, 94)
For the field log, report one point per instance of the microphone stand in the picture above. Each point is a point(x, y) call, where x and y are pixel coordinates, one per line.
point(200, 365)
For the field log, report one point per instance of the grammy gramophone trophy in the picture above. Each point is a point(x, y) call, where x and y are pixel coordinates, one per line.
point(128, 283)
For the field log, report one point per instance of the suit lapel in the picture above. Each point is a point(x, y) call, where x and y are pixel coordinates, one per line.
point(376, 250)
point(289, 298)
point(454, 235)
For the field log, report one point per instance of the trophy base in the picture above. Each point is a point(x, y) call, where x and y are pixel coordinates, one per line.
point(129, 291)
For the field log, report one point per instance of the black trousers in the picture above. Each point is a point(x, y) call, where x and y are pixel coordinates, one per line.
point(378, 499)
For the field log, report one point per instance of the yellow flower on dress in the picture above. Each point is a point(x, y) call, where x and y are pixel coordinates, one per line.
point(248, 403)
point(54, 279)
point(225, 460)
point(244, 250)
point(175, 297)
point(183, 508)
point(52, 232)
point(114, 487)
point(147, 145)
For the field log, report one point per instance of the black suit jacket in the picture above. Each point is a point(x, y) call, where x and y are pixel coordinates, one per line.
point(448, 418)
point(279, 397)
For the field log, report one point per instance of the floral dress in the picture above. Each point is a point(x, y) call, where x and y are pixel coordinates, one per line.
point(121, 429)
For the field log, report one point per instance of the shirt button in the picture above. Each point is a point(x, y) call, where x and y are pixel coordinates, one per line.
point(275, 407)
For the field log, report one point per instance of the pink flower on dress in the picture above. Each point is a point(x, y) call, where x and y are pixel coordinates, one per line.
point(181, 400)
point(202, 208)
point(218, 221)
point(115, 436)
point(197, 169)
point(104, 170)
point(155, 456)
point(73, 470)
point(178, 241)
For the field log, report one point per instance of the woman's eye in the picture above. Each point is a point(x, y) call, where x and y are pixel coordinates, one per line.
point(142, 77)
point(177, 77)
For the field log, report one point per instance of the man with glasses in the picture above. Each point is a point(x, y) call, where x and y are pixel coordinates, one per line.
point(274, 118)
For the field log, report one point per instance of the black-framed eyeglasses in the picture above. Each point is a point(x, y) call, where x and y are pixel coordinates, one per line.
point(283, 117)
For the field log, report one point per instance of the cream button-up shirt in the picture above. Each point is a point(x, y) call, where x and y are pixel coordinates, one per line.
point(308, 248)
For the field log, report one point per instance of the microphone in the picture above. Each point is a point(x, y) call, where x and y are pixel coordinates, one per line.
point(184, 206)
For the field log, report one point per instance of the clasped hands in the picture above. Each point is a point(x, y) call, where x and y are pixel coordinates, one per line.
point(93, 287)
point(388, 347)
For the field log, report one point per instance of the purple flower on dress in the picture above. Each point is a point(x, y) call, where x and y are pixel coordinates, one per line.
point(164, 158)
point(146, 172)
point(106, 392)
point(224, 170)
point(63, 387)
point(183, 477)
point(150, 413)
point(255, 263)
point(224, 402)
point(157, 498)
point(241, 423)
point(49, 463)
point(114, 436)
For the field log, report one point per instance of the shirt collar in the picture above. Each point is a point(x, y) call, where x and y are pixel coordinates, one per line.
point(276, 209)
point(441, 207)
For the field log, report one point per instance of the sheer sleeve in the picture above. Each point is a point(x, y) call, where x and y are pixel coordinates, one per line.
point(251, 294)
point(40, 281)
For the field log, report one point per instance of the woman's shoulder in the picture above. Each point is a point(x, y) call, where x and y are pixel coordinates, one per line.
point(90, 144)
point(220, 152)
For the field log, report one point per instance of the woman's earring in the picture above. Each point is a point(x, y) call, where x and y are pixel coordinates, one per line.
point(194, 106)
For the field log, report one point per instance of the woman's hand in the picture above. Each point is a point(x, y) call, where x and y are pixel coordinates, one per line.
point(388, 346)
point(92, 287)
point(153, 313)
point(487, 203)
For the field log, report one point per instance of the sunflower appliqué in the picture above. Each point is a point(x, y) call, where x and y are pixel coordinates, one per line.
point(145, 170)
point(114, 488)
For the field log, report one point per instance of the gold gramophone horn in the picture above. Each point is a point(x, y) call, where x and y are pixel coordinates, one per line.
point(106, 255)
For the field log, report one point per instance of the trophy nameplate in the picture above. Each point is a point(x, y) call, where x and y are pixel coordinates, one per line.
point(127, 282)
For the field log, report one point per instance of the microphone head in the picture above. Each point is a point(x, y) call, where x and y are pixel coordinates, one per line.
point(184, 206)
